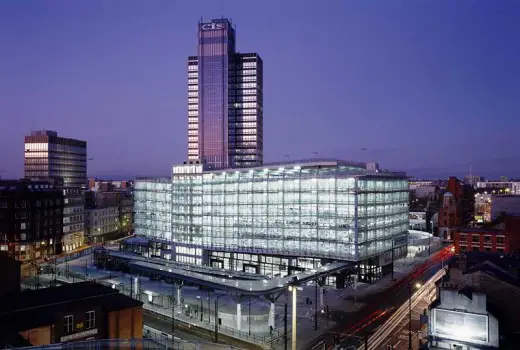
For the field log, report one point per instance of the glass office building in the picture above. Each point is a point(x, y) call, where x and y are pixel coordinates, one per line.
point(298, 214)
point(49, 156)
point(225, 101)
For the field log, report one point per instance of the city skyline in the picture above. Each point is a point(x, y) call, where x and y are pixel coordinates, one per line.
point(421, 88)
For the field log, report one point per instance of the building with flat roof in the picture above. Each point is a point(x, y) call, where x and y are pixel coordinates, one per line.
point(49, 156)
point(276, 219)
point(31, 215)
point(78, 311)
point(225, 100)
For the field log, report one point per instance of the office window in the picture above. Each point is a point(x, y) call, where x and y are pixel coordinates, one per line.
point(500, 240)
point(68, 324)
point(90, 321)
point(475, 238)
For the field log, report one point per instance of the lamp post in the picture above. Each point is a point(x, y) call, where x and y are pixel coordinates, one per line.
point(429, 238)
point(217, 297)
point(316, 304)
point(209, 309)
point(249, 317)
point(285, 325)
point(173, 314)
point(410, 289)
point(201, 313)
point(293, 290)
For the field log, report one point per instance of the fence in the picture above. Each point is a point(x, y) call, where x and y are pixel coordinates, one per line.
point(144, 343)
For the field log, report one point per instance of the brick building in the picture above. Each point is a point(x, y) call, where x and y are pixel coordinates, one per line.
point(457, 208)
point(72, 312)
point(481, 240)
point(504, 238)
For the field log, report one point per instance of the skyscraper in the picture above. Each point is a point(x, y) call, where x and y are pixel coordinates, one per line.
point(225, 100)
point(48, 156)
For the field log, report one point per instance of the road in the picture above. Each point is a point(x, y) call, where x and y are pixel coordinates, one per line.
point(399, 338)
point(353, 327)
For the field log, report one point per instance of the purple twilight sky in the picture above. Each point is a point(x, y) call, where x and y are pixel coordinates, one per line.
point(425, 86)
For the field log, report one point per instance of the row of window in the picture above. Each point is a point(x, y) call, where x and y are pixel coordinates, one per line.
point(476, 238)
point(243, 105)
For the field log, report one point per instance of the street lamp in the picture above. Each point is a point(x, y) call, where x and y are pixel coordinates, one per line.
point(410, 289)
point(429, 239)
point(293, 290)
point(201, 313)
point(217, 297)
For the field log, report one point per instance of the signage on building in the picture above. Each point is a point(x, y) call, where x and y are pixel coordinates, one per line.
point(460, 326)
point(79, 335)
point(213, 26)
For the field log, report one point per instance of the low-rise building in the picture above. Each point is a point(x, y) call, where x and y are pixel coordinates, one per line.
point(417, 220)
point(460, 319)
point(72, 312)
point(475, 305)
point(502, 238)
point(500, 187)
point(481, 240)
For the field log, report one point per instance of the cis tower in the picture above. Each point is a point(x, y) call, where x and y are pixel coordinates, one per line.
point(225, 101)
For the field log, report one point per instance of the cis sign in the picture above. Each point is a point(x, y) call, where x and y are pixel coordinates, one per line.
point(213, 26)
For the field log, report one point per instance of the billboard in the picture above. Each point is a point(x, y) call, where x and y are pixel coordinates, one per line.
point(461, 326)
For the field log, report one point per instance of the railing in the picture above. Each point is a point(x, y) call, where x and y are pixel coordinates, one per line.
point(145, 343)
point(164, 314)
point(104, 344)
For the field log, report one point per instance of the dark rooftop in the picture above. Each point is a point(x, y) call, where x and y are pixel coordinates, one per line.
point(34, 308)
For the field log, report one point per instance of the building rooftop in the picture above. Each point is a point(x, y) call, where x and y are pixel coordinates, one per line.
point(353, 168)
point(35, 308)
point(26, 185)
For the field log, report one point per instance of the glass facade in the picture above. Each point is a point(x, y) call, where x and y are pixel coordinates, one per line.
point(331, 209)
point(225, 101)
point(47, 155)
point(152, 206)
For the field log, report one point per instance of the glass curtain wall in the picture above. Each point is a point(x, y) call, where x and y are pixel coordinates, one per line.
point(153, 208)
point(290, 211)
point(382, 215)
